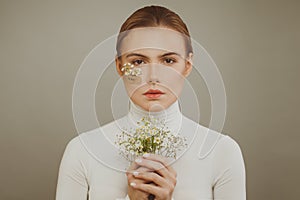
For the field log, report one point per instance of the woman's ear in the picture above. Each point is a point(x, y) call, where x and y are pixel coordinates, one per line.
point(188, 65)
point(118, 65)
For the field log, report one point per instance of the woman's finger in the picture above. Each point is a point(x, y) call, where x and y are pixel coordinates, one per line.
point(156, 166)
point(152, 177)
point(163, 160)
point(133, 166)
point(138, 168)
point(148, 188)
point(131, 178)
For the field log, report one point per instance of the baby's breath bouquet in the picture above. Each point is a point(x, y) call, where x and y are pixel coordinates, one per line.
point(150, 136)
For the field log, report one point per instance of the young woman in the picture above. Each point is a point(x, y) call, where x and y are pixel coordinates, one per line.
point(156, 41)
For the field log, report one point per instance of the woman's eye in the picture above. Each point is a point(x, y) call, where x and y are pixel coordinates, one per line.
point(169, 61)
point(138, 62)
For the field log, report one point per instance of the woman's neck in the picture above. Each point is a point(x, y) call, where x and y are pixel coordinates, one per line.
point(172, 115)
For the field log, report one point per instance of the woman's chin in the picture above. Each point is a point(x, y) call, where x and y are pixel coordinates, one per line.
point(155, 106)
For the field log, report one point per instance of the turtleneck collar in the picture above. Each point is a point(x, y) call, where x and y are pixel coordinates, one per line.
point(172, 115)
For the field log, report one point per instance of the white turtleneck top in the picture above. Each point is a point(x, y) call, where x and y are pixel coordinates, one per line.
point(212, 167)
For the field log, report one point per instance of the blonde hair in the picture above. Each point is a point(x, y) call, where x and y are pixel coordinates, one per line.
point(154, 16)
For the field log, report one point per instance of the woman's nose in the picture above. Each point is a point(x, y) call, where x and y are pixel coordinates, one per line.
point(152, 74)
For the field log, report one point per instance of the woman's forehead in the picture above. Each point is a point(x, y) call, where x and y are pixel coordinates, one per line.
point(153, 38)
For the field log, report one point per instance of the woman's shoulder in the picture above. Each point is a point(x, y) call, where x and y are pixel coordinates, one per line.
point(79, 142)
point(228, 150)
point(75, 145)
point(214, 142)
point(75, 153)
point(228, 143)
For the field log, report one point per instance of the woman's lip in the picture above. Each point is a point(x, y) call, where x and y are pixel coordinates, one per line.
point(153, 95)
point(151, 91)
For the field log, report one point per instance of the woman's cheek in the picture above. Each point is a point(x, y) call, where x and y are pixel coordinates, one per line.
point(169, 78)
point(132, 84)
point(172, 80)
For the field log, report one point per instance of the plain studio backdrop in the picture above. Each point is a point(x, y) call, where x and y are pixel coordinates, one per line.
point(255, 44)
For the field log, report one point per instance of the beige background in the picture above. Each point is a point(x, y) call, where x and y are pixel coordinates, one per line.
point(255, 44)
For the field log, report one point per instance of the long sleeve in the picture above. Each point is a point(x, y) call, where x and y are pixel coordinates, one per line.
point(230, 183)
point(72, 183)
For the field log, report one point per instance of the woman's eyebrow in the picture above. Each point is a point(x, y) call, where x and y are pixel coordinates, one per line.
point(136, 54)
point(143, 56)
point(170, 54)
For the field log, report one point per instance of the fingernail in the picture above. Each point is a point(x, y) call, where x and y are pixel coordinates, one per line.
point(146, 155)
point(135, 173)
point(132, 184)
point(138, 160)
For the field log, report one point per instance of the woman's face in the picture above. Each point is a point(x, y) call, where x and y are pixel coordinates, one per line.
point(161, 57)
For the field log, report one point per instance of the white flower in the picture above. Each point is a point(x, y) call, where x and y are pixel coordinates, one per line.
point(130, 70)
point(138, 143)
point(157, 140)
point(150, 136)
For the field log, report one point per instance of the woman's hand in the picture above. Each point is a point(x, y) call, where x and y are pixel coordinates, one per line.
point(135, 194)
point(159, 173)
